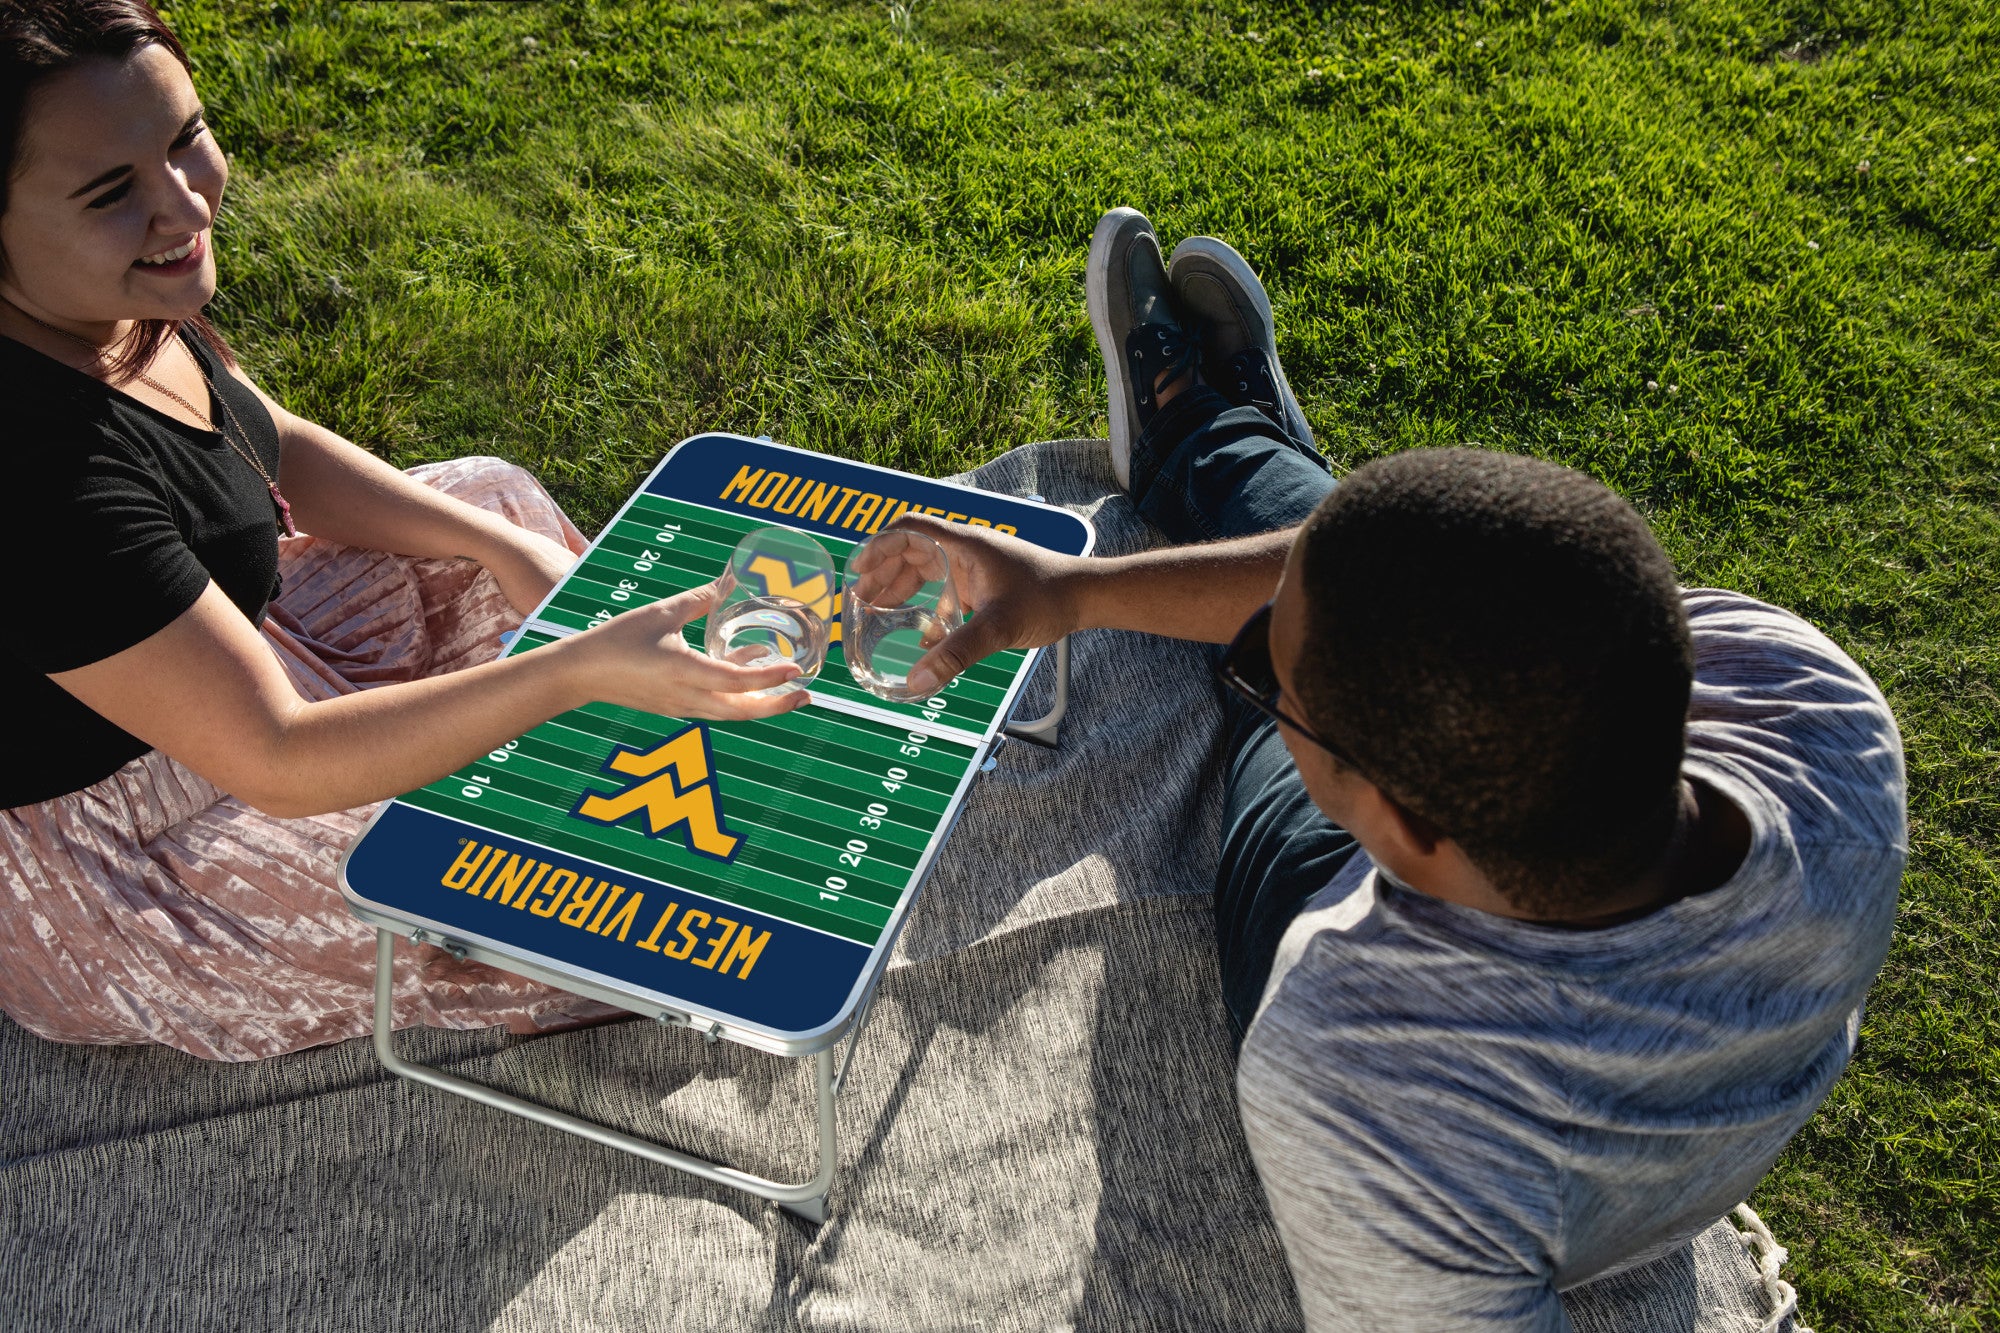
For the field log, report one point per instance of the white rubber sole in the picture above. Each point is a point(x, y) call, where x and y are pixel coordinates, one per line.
point(1097, 300)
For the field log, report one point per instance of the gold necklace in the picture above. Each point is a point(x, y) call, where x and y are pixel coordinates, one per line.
point(247, 455)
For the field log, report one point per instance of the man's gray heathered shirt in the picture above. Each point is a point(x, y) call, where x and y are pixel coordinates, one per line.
point(1458, 1116)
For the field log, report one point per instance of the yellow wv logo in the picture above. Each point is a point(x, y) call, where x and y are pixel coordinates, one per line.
point(675, 787)
point(816, 592)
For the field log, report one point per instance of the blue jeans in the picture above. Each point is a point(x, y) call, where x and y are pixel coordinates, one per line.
point(1203, 471)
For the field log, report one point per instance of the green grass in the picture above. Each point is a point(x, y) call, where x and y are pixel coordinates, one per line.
point(861, 228)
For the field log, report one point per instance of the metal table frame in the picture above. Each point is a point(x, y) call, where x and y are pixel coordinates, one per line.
point(808, 1199)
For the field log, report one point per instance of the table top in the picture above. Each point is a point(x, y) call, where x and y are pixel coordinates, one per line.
point(748, 878)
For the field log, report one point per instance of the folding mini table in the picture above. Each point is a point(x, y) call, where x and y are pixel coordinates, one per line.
point(746, 880)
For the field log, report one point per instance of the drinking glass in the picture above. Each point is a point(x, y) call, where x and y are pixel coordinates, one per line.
point(777, 597)
point(899, 603)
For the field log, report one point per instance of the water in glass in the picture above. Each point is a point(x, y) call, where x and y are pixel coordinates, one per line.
point(765, 631)
point(777, 599)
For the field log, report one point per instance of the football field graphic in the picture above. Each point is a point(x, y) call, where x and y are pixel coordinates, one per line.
point(752, 873)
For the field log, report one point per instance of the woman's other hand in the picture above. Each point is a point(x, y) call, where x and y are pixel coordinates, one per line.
point(640, 660)
point(527, 565)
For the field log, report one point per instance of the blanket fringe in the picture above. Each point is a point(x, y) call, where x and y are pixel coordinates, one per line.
point(1769, 1256)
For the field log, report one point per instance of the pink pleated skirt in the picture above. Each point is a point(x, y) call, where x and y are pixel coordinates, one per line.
point(152, 907)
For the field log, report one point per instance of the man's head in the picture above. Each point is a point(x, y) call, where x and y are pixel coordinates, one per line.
point(1499, 643)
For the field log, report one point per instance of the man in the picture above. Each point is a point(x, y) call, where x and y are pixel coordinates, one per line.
point(1549, 893)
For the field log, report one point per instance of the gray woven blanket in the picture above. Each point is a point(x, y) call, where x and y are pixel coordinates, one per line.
point(1040, 1131)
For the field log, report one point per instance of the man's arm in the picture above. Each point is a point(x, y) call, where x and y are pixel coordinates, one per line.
point(1028, 597)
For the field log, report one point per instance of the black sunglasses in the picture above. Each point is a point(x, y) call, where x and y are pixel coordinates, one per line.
point(1245, 668)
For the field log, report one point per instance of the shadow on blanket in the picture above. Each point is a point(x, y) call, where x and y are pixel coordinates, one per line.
point(1040, 1130)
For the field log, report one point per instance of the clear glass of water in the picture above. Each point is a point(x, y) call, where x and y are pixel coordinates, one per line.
point(899, 603)
point(777, 597)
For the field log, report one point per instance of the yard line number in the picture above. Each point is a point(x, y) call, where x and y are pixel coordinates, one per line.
point(852, 856)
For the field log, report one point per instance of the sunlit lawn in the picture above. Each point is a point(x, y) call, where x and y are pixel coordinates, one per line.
point(1736, 259)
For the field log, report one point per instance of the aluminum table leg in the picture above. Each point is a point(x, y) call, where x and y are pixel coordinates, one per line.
point(1046, 729)
point(808, 1200)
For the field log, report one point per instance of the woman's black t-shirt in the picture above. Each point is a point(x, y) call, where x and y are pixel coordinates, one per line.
point(116, 518)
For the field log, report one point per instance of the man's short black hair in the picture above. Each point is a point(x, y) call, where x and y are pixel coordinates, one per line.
point(1500, 644)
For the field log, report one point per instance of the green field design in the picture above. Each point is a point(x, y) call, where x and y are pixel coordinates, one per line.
point(835, 808)
point(659, 547)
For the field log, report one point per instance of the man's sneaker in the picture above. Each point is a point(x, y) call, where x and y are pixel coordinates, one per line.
point(1132, 312)
point(1220, 295)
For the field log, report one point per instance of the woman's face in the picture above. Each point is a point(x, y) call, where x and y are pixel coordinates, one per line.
point(115, 189)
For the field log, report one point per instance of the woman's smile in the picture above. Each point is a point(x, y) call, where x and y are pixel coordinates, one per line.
point(177, 260)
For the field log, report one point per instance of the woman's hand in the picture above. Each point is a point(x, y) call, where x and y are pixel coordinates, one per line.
point(1023, 594)
point(640, 660)
point(526, 565)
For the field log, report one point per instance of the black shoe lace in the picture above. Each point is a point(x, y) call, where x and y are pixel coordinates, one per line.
point(1247, 382)
point(1159, 353)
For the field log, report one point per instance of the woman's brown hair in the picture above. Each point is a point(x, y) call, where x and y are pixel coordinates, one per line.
point(40, 39)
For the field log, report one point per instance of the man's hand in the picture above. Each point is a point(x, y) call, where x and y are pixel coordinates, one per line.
point(1022, 596)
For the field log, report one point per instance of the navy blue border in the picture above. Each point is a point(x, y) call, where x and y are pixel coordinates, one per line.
point(702, 467)
point(800, 982)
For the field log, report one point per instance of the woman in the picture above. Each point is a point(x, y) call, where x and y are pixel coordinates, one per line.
point(205, 711)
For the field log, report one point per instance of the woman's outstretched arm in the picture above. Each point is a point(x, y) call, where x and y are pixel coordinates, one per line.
point(208, 691)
